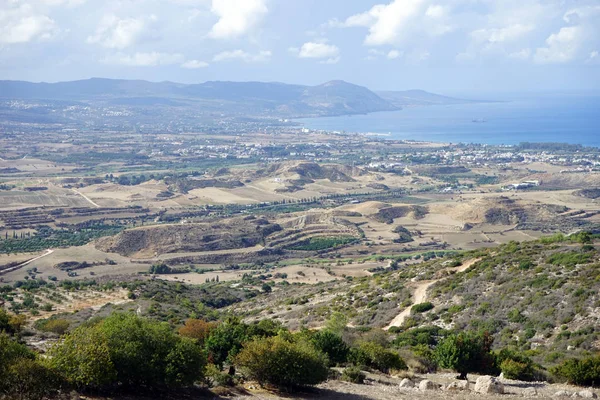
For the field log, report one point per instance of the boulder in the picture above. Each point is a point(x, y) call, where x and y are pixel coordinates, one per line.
point(488, 384)
point(407, 384)
point(427, 385)
point(587, 394)
point(458, 386)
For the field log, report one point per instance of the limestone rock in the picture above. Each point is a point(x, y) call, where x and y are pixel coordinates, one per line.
point(427, 385)
point(530, 392)
point(458, 386)
point(407, 383)
point(588, 394)
point(561, 394)
point(488, 384)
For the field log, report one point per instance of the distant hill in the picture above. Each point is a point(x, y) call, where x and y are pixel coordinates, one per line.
point(248, 98)
point(408, 98)
point(331, 98)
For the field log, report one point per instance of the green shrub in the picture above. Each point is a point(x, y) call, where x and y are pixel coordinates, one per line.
point(421, 308)
point(216, 377)
point(130, 351)
point(353, 375)
point(29, 379)
point(331, 345)
point(515, 365)
point(376, 356)
point(281, 363)
point(83, 358)
point(465, 352)
point(584, 372)
point(58, 325)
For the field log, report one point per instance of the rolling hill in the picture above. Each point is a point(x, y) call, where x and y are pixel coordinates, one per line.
point(249, 98)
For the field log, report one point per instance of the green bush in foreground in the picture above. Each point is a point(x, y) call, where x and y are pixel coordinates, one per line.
point(282, 363)
point(515, 365)
point(129, 351)
point(331, 345)
point(376, 356)
point(584, 372)
point(22, 376)
point(465, 352)
point(353, 375)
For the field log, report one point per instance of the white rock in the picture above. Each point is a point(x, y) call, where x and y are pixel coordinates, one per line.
point(407, 383)
point(588, 394)
point(488, 384)
point(530, 391)
point(458, 386)
point(427, 385)
point(561, 393)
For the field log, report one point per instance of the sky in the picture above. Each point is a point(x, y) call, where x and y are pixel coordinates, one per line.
point(450, 46)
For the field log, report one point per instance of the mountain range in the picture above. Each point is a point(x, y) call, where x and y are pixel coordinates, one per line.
point(250, 98)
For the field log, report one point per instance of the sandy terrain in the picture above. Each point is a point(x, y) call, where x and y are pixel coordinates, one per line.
point(379, 387)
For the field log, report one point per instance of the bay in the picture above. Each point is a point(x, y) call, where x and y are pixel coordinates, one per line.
point(557, 118)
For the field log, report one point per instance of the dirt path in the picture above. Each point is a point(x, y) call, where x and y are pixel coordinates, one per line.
point(16, 267)
point(85, 197)
point(420, 293)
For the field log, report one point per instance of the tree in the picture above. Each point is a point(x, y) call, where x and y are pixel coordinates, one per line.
point(131, 351)
point(83, 358)
point(197, 329)
point(332, 345)
point(465, 352)
point(282, 363)
point(337, 323)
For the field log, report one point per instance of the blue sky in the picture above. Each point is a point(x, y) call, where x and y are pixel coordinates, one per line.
point(456, 46)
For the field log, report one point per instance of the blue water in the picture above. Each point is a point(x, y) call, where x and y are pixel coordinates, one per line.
point(565, 118)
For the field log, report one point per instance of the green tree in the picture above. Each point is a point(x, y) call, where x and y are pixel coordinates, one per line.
point(279, 362)
point(465, 352)
point(337, 323)
point(83, 358)
point(331, 345)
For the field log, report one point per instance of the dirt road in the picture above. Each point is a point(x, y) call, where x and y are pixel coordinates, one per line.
point(85, 197)
point(420, 293)
point(16, 267)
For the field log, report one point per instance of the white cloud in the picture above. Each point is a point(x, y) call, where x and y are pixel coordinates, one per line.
point(150, 59)
point(236, 17)
point(117, 33)
point(194, 64)
point(561, 47)
point(501, 35)
point(262, 56)
point(523, 54)
point(24, 24)
point(399, 21)
point(332, 60)
point(317, 50)
point(68, 3)
point(394, 54)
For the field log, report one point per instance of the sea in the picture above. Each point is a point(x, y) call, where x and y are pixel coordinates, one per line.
point(503, 119)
